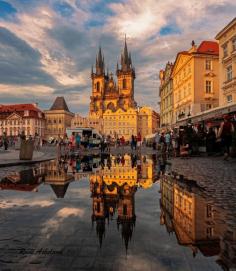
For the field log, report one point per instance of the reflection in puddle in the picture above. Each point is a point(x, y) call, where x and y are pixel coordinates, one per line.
point(115, 183)
point(197, 222)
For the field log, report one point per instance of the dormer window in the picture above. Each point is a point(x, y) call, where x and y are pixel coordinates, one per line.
point(26, 113)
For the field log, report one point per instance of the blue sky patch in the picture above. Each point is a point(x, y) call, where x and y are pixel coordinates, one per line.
point(6, 10)
point(170, 30)
point(63, 9)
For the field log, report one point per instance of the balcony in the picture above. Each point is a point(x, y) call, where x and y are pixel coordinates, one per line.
point(209, 96)
point(229, 84)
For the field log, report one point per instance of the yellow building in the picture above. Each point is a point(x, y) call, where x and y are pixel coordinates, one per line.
point(58, 118)
point(166, 96)
point(227, 63)
point(120, 123)
point(148, 121)
point(92, 121)
point(195, 80)
point(130, 122)
point(190, 215)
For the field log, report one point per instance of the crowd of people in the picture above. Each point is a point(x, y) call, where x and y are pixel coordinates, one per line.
point(190, 140)
point(7, 142)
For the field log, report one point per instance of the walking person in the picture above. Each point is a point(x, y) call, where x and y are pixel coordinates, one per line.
point(225, 133)
point(139, 140)
point(72, 142)
point(78, 140)
point(168, 143)
point(5, 141)
point(132, 142)
point(210, 141)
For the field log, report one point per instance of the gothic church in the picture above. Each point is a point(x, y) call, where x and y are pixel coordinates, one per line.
point(106, 93)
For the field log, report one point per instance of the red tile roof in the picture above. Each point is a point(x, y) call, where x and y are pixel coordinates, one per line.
point(208, 47)
point(18, 107)
point(7, 110)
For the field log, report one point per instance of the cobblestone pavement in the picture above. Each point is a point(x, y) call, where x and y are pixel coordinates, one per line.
point(216, 176)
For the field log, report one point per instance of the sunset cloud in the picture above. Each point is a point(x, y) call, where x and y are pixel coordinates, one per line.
point(47, 47)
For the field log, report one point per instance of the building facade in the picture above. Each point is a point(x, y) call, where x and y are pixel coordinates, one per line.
point(58, 118)
point(120, 123)
point(92, 121)
point(195, 80)
point(16, 118)
point(108, 94)
point(166, 96)
point(227, 63)
point(148, 121)
point(130, 122)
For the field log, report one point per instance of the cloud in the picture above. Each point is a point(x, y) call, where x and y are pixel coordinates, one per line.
point(54, 223)
point(55, 43)
point(20, 63)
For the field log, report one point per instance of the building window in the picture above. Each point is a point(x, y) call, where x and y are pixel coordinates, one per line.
point(234, 44)
point(208, 106)
point(124, 84)
point(225, 50)
point(209, 232)
point(229, 98)
point(229, 73)
point(209, 210)
point(208, 64)
point(208, 86)
point(98, 86)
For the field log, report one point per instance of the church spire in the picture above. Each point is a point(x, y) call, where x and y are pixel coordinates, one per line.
point(100, 62)
point(125, 58)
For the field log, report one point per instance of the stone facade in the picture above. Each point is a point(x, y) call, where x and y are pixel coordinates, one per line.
point(21, 117)
point(166, 96)
point(227, 63)
point(195, 80)
point(108, 94)
point(58, 118)
point(92, 121)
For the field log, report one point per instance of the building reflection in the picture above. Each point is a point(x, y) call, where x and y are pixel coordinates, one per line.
point(197, 221)
point(57, 177)
point(113, 191)
point(25, 180)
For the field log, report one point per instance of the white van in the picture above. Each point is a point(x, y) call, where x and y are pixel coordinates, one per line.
point(94, 137)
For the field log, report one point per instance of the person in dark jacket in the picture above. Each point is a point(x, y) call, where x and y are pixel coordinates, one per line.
point(210, 141)
point(225, 133)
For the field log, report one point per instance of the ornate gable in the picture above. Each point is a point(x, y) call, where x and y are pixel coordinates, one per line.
point(14, 116)
point(180, 61)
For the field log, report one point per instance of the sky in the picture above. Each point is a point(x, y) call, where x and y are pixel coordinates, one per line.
point(47, 47)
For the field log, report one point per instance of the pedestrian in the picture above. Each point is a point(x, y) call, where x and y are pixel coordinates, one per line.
point(168, 143)
point(66, 145)
point(225, 133)
point(132, 142)
point(78, 140)
point(72, 142)
point(139, 140)
point(210, 141)
point(5, 141)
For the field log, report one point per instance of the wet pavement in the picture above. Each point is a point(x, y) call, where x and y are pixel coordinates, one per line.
point(114, 213)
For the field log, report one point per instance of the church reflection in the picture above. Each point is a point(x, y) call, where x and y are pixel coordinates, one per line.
point(197, 220)
point(113, 192)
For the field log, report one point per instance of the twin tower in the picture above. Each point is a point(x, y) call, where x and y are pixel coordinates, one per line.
point(106, 93)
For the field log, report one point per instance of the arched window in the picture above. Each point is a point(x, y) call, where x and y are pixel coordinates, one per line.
point(124, 84)
point(98, 86)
